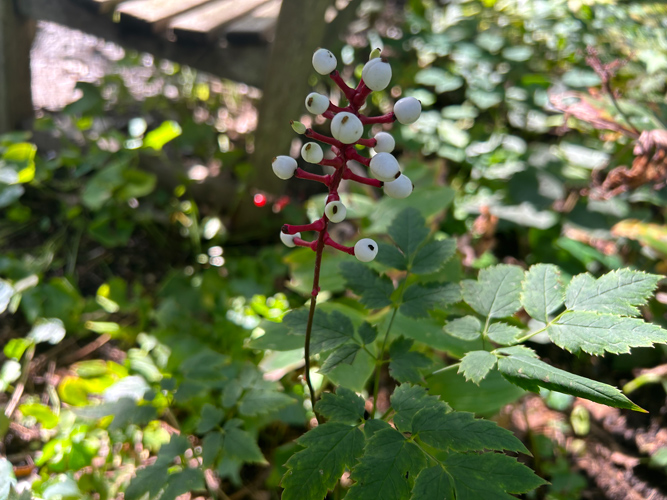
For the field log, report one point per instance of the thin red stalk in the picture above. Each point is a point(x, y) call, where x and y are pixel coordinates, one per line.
point(362, 180)
point(344, 87)
point(329, 241)
point(303, 174)
point(362, 94)
point(356, 156)
point(303, 243)
point(318, 225)
point(322, 138)
point(333, 162)
point(388, 118)
point(369, 143)
point(336, 109)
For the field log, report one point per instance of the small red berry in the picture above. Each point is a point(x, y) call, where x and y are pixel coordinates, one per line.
point(259, 200)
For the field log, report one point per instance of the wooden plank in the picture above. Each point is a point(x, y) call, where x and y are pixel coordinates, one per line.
point(153, 14)
point(206, 23)
point(257, 27)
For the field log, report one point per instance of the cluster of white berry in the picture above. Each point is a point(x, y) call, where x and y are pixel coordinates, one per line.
point(347, 129)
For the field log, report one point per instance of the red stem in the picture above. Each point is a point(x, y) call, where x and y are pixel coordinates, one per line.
point(362, 93)
point(303, 174)
point(334, 162)
point(362, 180)
point(356, 156)
point(388, 118)
point(337, 246)
point(322, 138)
point(303, 243)
point(349, 92)
point(318, 225)
point(369, 143)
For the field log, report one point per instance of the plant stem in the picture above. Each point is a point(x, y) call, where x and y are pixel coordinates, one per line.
point(544, 328)
point(309, 329)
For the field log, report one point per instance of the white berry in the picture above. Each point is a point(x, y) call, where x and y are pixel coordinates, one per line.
point(385, 167)
point(346, 127)
point(324, 61)
point(312, 152)
point(365, 250)
point(376, 74)
point(284, 166)
point(407, 110)
point(385, 142)
point(288, 239)
point(335, 211)
point(317, 103)
point(399, 188)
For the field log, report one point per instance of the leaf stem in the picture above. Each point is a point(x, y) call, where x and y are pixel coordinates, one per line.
point(446, 368)
point(543, 329)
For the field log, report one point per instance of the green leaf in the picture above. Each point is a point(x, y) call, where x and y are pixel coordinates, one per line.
point(461, 431)
point(418, 299)
point(211, 416)
point(167, 131)
point(374, 290)
point(433, 483)
point(258, 401)
point(617, 292)
point(42, 413)
point(475, 365)
point(211, 448)
point(531, 374)
point(240, 445)
point(329, 330)
point(405, 364)
point(489, 475)
point(185, 481)
point(344, 406)
point(148, 480)
point(343, 354)
point(390, 256)
point(176, 446)
point(387, 469)
point(408, 399)
point(408, 231)
point(431, 257)
point(329, 449)
point(497, 291)
point(503, 334)
point(368, 333)
point(466, 328)
point(16, 347)
point(596, 333)
point(542, 291)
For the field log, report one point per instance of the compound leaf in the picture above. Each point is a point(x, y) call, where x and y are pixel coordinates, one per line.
point(503, 334)
point(433, 255)
point(596, 333)
point(368, 333)
point(466, 328)
point(185, 481)
point(617, 292)
point(531, 374)
point(387, 469)
point(258, 401)
point(374, 290)
point(497, 291)
point(344, 406)
point(329, 330)
point(328, 449)
point(390, 256)
point(344, 354)
point(433, 483)
point(408, 230)
point(475, 365)
point(542, 291)
point(210, 417)
point(408, 399)
point(418, 299)
point(405, 364)
point(240, 445)
point(149, 480)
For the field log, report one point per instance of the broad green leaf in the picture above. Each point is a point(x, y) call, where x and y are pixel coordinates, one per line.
point(532, 373)
point(433, 483)
point(596, 333)
point(374, 290)
point(503, 334)
point(408, 399)
point(211, 416)
point(344, 406)
point(497, 291)
point(387, 469)
point(277, 337)
point(408, 231)
point(542, 291)
point(475, 365)
point(418, 299)
point(367, 332)
point(466, 328)
point(617, 292)
point(344, 354)
point(329, 449)
point(405, 364)
point(240, 445)
point(433, 255)
point(390, 256)
point(329, 330)
point(211, 448)
point(167, 131)
point(489, 476)
point(257, 401)
point(149, 480)
point(42, 413)
point(176, 446)
point(461, 431)
point(185, 481)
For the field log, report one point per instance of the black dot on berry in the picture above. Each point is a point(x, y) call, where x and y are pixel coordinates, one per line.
point(344, 120)
point(310, 101)
point(371, 247)
point(334, 209)
point(397, 175)
point(284, 229)
point(308, 147)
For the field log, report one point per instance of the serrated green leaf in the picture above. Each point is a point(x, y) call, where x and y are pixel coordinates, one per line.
point(367, 332)
point(531, 374)
point(408, 230)
point(210, 417)
point(185, 481)
point(176, 446)
point(344, 354)
point(461, 431)
point(516, 350)
point(211, 448)
point(433, 484)
point(374, 290)
point(466, 328)
point(387, 469)
point(503, 334)
point(475, 365)
point(344, 406)
point(489, 475)
point(329, 330)
point(596, 333)
point(329, 449)
point(257, 401)
point(390, 256)
point(497, 291)
point(149, 480)
point(240, 445)
point(405, 364)
point(542, 291)
point(408, 399)
point(617, 292)
point(418, 299)
point(431, 257)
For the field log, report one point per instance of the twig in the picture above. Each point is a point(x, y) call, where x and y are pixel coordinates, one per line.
point(87, 349)
point(18, 390)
